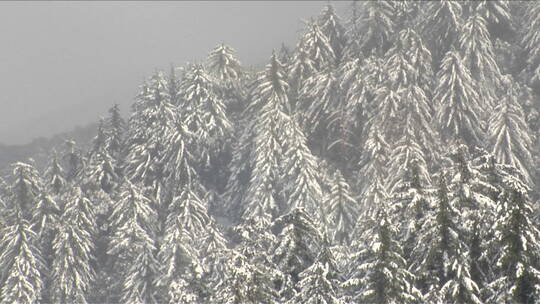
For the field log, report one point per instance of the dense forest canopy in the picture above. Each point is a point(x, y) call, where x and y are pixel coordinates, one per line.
point(390, 156)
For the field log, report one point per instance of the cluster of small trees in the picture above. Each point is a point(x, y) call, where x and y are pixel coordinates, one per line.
point(387, 159)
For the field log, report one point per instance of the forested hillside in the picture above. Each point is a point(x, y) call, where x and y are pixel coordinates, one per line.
point(39, 149)
point(391, 156)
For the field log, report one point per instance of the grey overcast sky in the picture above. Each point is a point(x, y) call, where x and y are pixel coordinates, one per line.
point(63, 64)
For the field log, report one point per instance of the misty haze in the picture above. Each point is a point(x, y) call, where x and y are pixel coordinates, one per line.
point(246, 152)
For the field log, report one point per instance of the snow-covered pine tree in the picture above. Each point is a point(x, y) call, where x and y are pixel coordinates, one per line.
point(318, 47)
point(225, 68)
point(359, 81)
point(25, 189)
point(531, 42)
point(284, 55)
point(256, 244)
point(297, 244)
point(441, 27)
point(443, 265)
point(516, 243)
point(45, 221)
point(478, 55)
point(55, 176)
point(342, 209)
point(21, 263)
point(352, 49)
point(408, 62)
point(150, 122)
point(45, 216)
point(403, 95)
point(212, 253)
point(72, 271)
point(100, 171)
point(302, 188)
point(116, 126)
point(74, 161)
point(408, 182)
point(185, 225)
point(132, 246)
point(300, 68)
point(332, 28)
point(467, 186)
point(387, 113)
point(178, 158)
point(373, 171)
point(509, 135)
point(460, 108)
point(320, 100)
point(240, 171)
point(272, 108)
point(245, 283)
point(99, 142)
point(173, 86)
point(317, 287)
point(203, 111)
point(380, 272)
point(406, 14)
point(496, 14)
point(377, 25)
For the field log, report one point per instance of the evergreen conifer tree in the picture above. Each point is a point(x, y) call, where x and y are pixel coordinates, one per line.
point(509, 134)
point(516, 240)
point(55, 175)
point(72, 271)
point(25, 189)
point(21, 263)
point(460, 109)
point(441, 26)
point(302, 188)
point(262, 199)
point(377, 24)
point(342, 209)
point(297, 243)
point(531, 41)
point(478, 55)
point(116, 129)
point(133, 244)
point(380, 274)
point(331, 26)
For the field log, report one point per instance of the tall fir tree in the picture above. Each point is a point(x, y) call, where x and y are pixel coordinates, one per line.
point(204, 112)
point(271, 102)
point(443, 266)
point(380, 272)
point(302, 188)
point(225, 67)
point(441, 28)
point(55, 175)
point(478, 55)
point(377, 24)
point(460, 110)
point(74, 161)
point(72, 272)
point(342, 209)
point(25, 189)
point(531, 42)
point(318, 47)
point(132, 245)
point(509, 135)
point(116, 128)
point(21, 263)
point(516, 243)
point(331, 26)
point(185, 224)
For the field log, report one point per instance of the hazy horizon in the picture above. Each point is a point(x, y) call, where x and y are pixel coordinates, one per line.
point(66, 63)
